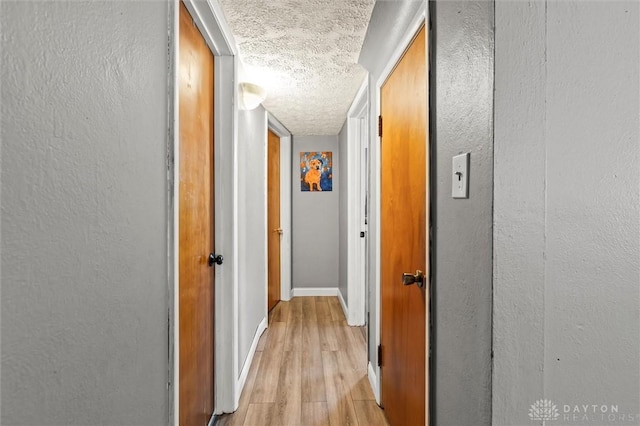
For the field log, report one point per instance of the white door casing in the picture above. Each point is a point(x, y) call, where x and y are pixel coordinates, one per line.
point(357, 135)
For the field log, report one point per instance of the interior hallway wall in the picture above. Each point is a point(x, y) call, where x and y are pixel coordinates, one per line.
point(343, 253)
point(84, 213)
point(315, 221)
point(462, 99)
point(567, 210)
point(462, 102)
point(252, 227)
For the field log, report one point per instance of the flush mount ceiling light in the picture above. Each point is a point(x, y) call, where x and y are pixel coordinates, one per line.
point(251, 95)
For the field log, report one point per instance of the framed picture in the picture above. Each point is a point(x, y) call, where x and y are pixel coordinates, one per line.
point(316, 171)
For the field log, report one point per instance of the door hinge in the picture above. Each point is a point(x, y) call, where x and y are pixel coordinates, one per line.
point(379, 355)
point(380, 125)
point(362, 234)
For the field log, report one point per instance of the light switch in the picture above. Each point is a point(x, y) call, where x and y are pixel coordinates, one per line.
point(460, 176)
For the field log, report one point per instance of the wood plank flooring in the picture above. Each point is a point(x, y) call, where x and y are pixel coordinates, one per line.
point(310, 369)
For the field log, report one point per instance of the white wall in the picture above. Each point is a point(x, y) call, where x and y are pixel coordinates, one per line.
point(315, 220)
point(84, 213)
point(343, 259)
point(252, 227)
point(567, 209)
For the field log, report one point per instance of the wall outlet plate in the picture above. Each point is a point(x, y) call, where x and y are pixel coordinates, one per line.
point(460, 176)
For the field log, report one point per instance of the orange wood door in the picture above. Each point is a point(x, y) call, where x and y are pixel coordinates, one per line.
point(196, 286)
point(404, 218)
point(273, 218)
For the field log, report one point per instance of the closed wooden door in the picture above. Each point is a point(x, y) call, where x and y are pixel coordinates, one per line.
point(196, 286)
point(273, 219)
point(404, 221)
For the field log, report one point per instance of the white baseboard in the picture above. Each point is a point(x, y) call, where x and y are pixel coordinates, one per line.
point(373, 381)
point(286, 295)
point(314, 291)
point(247, 363)
point(344, 306)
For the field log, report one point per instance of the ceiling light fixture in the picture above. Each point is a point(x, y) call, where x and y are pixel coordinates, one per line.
point(251, 95)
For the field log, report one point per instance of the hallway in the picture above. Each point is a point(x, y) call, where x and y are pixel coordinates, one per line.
point(309, 369)
point(533, 271)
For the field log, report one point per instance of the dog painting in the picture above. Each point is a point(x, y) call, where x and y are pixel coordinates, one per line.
point(316, 171)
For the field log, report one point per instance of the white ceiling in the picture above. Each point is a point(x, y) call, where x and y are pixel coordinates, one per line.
point(304, 53)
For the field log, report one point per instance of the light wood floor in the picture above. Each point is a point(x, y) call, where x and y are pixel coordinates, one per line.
point(310, 368)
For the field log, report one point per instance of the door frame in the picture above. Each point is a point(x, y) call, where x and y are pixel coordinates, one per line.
point(421, 18)
point(356, 277)
point(209, 19)
point(280, 130)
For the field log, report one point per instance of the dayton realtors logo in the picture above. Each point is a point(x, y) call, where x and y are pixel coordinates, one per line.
point(544, 410)
point(598, 413)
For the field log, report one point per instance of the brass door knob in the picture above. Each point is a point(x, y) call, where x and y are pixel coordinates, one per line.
point(417, 278)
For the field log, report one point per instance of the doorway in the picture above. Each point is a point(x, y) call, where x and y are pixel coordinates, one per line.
point(196, 285)
point(274, 227)
point(207, 17)
point(363, 126)
point(357, 238)
point(404, 245)
point(285, 142)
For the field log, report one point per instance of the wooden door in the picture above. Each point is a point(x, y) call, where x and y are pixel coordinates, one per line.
point(404, 223)
point(196, 286)
point(273, 218)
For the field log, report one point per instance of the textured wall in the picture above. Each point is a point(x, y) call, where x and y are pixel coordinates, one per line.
point(519, 215)
point(343, 255)
point(252, 224)
point(462, 101)
point(315, 220)
point(567, 209)
point(84, 241)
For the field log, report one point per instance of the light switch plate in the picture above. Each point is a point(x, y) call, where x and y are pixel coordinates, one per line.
point(460, 176)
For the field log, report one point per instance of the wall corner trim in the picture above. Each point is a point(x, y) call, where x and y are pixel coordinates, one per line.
point(345, 309)
point(373, 381)
point(247, 362)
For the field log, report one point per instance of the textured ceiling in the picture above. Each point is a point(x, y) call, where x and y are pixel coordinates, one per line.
point(304, 53)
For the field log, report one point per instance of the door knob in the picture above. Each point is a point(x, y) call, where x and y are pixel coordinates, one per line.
point(417, 279)
point(278, 230)
point(215, 259)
